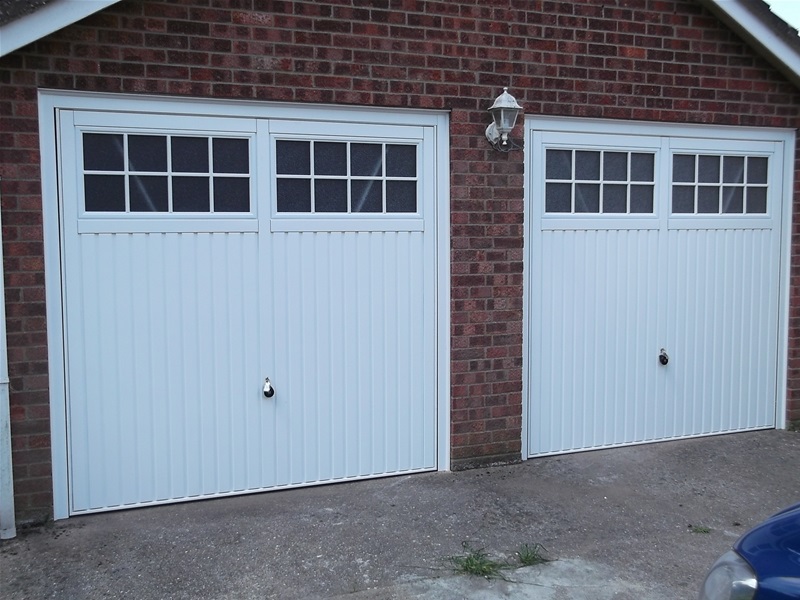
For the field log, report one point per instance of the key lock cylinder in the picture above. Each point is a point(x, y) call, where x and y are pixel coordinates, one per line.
point(663, 358)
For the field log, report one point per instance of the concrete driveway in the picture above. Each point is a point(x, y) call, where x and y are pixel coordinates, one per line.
point(620, 524)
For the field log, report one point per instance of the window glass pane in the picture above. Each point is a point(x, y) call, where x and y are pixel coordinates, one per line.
point(190, 155)
point(682, 199)
point(683, 169)
point(615, 198)
point(732, 200)
point(708, 199)
point(293, 158)
point(330, 195)
point(330, 158)
point(401, 196)
point(558, 164)
point(733, 169)
point(367, 196)
point(642, 199)
point(104, 193)
point(756, 169)
point(587, 197)
point(642, 167)
point(366, 160)
point(401, 161)
point(558, 198)
point(231, 194)
point(231, 155)
point(149, 193)
point(190, 194)
point(147, 153)
point(103, 152)
point(708, 169)
point(615, 166)
point(757, 200)
point(587, 165)
point(294, 195)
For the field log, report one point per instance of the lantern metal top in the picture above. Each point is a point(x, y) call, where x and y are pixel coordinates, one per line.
point(504, 100)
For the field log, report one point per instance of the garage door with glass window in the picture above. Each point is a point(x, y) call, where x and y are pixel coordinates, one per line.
point(249, 304)
point(654, 288)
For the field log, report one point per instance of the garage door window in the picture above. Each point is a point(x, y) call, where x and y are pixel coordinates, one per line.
point(138, 173)
point(719, 184)
point(599, 181)
point(345, 177)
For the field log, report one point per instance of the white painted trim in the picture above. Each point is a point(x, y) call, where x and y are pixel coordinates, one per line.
point(53, 269)
point(51, 101)
point(786, 137)
point(784, 278)
point(442, 220)
point(742, 16)
point(529, 141)
point(214, 107)
point(51, 17)
point(316, 222)
point(8, 527)
point(651, 128)
point(167, 223)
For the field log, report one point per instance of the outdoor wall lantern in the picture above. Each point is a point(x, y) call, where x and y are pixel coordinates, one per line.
point(504, 113)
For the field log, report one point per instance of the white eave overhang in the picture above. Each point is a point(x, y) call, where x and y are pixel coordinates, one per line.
point(51, 17)
point(748, 19)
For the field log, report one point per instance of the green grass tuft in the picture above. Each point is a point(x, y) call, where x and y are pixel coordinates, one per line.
point(699, 529)
point(477, 562)
point(530, 555)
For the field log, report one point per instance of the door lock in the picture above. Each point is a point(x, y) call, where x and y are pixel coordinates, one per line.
point(663, 358)
point(269, 391)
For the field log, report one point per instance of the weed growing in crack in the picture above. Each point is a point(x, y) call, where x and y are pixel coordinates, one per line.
point(477, 562)
point(699, 529)
point(532, 554)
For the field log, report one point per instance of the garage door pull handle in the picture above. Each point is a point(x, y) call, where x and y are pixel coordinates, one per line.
point(269, 391)
point(663, 357)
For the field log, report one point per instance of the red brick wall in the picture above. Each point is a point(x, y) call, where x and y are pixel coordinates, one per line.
point(793, 376)
point(670, 61)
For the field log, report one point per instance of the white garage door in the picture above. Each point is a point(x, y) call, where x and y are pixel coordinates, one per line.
point(203, 255)
point(654, 288)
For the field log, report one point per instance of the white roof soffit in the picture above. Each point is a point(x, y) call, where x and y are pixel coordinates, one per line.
point(750, 19)
point(51, 17)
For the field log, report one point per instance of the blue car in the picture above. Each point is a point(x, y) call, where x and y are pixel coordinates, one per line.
point(763, 565)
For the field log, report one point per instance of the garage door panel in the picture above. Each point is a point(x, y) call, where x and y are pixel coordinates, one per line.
point(197, 262)
point(592, 285)
point(141, 342)
point(718, 278)
point(356, 307)
point(695, 275)
point(188, 281)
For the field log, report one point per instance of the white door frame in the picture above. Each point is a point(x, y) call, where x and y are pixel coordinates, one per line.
point(50, 101)
point(786, 137)
point(8, 527)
